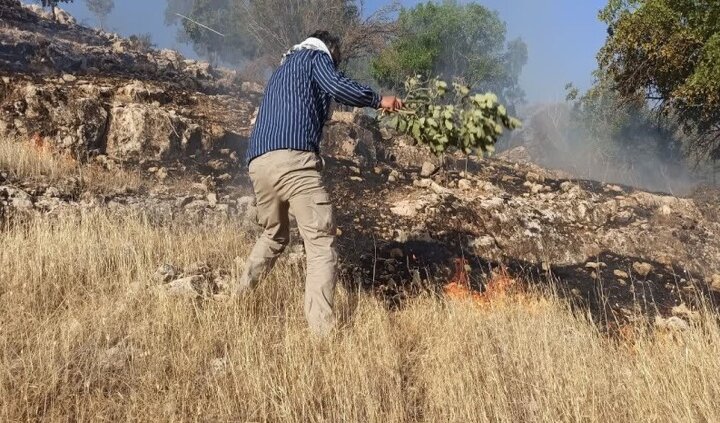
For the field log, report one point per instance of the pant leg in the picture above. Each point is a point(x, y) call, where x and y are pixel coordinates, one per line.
point(272, 214)
point(314, 218)
point(310, 203)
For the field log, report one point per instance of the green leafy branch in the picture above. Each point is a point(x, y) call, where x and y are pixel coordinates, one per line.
point(471, 123)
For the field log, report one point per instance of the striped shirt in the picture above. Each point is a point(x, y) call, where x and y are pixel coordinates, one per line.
point(297, 103)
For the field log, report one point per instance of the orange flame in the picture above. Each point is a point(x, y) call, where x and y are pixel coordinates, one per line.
point(38, 142)
point(459, 287)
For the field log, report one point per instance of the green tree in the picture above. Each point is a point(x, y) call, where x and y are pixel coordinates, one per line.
point(667, 52)
point(101, 9)
point(52, 3)
point(453, 40)
point(268, 28)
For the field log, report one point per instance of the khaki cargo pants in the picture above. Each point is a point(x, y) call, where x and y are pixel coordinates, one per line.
point(289, 181)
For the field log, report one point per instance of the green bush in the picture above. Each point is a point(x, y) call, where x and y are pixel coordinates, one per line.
point(471, 123)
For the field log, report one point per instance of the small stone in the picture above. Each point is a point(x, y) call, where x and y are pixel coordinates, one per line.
point(642, 269)
point(406, 208)
point(464, 184)
point(218, 165)
point(162, 174)
point(620, 274)
point(212, 199)
point(536, 188)
point(356, 178)
point(613, 188)
point(402, 236)
point(423, 183)
point(673, 323)
point(534, 177)
point(715, 283)
point(355, 170)
point(22, 203)
point(69, 78)
point(378, 170)
point(665, 210)
point(595, 265)
point(166, 273)
point(225, 177)
point(52, 192)
point(394, 176)
point(428, 169)
point(439, 189)
point(566, 186)
point(684, 312)
point(185, 287)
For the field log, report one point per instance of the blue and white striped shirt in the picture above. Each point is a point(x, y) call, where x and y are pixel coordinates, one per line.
point(297, 103)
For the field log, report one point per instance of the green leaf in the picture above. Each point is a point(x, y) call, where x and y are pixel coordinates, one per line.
point(402, 126)
point(416, 131)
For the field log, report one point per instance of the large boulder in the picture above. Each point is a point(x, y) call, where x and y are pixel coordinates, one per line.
point(75, 125)
point(351, 136)
point(142, 131)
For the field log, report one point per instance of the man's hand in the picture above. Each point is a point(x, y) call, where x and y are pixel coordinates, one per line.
point(390, 103)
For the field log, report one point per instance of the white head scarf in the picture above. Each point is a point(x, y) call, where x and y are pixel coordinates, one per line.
point(311, 43)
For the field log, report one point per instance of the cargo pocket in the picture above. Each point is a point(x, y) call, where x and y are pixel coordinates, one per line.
point(322, 213)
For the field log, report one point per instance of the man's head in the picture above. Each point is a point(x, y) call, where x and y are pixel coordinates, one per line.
point(332, 42)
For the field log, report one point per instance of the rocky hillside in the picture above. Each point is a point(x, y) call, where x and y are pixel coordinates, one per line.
point(407, 224)
point(90, 93)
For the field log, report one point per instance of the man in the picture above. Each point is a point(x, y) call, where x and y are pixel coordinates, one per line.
point(285, 165)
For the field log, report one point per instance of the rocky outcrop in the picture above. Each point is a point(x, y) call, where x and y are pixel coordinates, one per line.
point(139, 130)
point(86, 92)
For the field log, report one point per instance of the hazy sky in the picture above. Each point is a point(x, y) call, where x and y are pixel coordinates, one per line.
point(563, 36)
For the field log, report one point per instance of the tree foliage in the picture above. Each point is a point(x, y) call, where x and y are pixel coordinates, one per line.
point(453, 40)
point(101, 9)
point(471, 123)
point(668, 53)
point(624, 131)
point(52, 3)
point(268, 28)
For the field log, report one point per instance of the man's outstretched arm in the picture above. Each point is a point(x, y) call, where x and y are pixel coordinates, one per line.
point(345, 90)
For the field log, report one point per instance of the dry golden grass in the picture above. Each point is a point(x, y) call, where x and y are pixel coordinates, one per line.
point(84, 338)
point(33, 159)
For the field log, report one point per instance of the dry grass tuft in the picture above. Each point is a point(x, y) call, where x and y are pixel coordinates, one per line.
point(85, 337)
point(34, 159)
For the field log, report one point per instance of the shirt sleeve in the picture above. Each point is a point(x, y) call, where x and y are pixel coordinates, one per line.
point(342, 89)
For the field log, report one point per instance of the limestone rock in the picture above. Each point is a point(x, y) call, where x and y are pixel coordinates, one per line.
point(166, 273)
point(464, 184)
point(141, 131)
point(428, 169)
point(715, 282)
point(188, 287)
point(643, 269)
